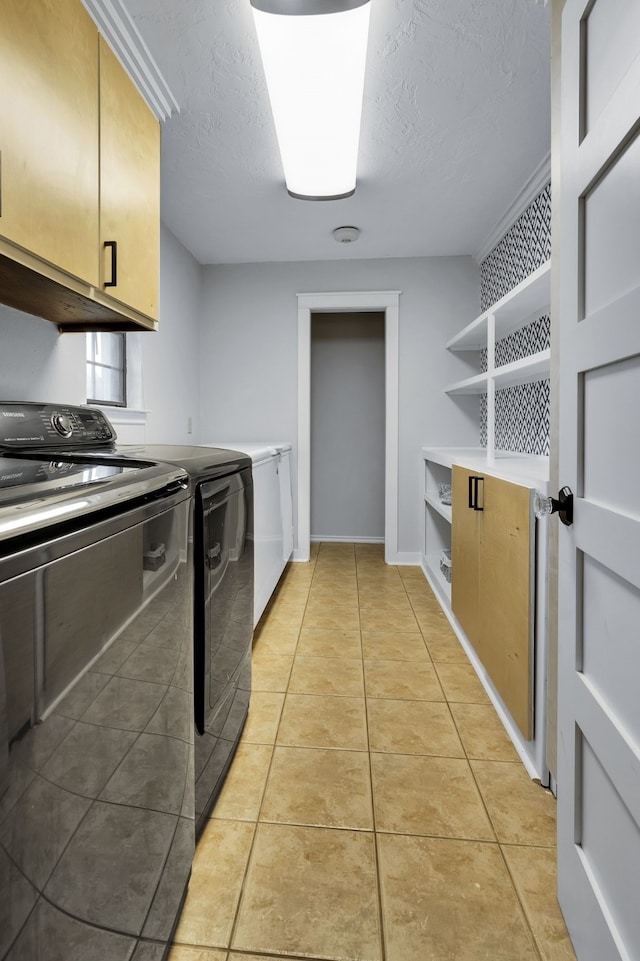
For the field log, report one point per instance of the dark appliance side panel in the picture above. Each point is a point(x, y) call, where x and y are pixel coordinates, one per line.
point(223, 547)
point(97, 829)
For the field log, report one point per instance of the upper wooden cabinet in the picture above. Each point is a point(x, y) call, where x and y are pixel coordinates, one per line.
point(80, 165)
point(49, 133)
point(129, 189)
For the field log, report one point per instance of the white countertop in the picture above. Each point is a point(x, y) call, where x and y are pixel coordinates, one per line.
point(527, 469)
point(258, 451)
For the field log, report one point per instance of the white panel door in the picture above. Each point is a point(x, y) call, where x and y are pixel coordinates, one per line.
point(599, 630)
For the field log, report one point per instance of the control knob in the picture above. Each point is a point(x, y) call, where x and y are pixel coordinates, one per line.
point(62, 424)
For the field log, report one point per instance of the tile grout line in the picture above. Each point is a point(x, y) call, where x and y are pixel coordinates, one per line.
point(376, 852)
point(523, 912)
point(481, 796)
point(497, 841)
point(236, 917)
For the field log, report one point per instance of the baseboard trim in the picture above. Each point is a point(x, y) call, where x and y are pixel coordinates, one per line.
point(398, 559)
point(405, 559)
point(535, 772)
point(340, 539)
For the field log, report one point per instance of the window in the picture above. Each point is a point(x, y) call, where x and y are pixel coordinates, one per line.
point(106, 369)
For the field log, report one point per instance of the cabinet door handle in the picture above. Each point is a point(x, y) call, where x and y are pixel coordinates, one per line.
point(473, 492)
point(113, 244)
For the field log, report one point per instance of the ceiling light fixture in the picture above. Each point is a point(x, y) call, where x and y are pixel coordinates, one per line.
point(314, 54)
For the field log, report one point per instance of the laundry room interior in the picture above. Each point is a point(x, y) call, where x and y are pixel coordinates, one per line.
point(350, 467)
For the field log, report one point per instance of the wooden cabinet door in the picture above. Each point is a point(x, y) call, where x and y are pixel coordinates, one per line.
point(465, 558)
point(49, 132)
point(129, 189)
point(506, 596)
point(492, 571)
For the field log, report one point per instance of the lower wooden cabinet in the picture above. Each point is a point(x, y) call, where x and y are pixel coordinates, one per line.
point(492, 589)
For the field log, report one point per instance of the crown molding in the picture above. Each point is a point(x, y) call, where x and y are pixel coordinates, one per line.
point(536, 182)
point(115, 24)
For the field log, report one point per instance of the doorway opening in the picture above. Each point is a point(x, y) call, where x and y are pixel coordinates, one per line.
point(343, 302)
point(347, 426)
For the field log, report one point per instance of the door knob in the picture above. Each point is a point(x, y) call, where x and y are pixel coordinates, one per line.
point(562, 505)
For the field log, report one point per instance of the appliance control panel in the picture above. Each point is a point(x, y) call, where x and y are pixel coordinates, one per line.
point(27, 425)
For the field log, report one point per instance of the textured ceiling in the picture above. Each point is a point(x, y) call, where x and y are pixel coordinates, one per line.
point(456, 119)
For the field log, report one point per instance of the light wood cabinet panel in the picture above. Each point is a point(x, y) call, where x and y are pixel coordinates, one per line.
point(465, 558)
point(129, 188)
point(492, 562)
point(506, 589)
point(49, 132)
point(58, 122)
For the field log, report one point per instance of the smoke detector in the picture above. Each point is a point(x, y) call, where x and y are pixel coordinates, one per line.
point(346, 235)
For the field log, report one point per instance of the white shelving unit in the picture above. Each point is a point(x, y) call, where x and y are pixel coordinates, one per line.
point(515, 310)
point(437, 525)
point(522, 469)
point(520, 306)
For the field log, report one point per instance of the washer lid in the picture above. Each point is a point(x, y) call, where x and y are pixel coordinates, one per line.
point(36, 492)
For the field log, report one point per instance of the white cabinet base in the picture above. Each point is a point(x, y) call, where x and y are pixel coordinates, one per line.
point(523, 469)
point(272, 515)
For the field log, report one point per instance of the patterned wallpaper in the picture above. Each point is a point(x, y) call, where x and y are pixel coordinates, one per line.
point(528, 340)
point(522, 412)
point(522, 418)
point(524, 248)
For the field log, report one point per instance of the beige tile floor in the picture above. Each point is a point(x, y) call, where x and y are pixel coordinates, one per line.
point(375, 810)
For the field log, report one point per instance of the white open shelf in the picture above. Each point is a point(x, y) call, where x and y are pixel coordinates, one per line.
point(523, 371)
point(443, 509)
point(448, 456)
point(531, 296)
point(442, 586)
point(470, 385)
point(472, 337)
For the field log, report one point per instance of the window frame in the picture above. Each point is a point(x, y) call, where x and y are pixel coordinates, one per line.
point(92, 364)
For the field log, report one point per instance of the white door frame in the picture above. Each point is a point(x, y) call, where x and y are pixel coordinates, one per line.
point(387, 300)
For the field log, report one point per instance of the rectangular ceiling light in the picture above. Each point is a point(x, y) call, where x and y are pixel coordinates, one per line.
point(314, 64)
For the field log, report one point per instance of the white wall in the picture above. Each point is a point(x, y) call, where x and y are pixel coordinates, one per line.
point(249, 355)
point(170, 358)
point(37, 363)
point(347, 426)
